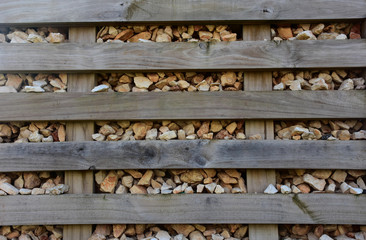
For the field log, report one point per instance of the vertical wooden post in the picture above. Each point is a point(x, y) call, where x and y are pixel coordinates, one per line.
point(258, 180)
point(80, 182)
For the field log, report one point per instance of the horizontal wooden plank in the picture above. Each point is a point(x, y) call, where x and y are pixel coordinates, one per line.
point(187, 154)
point(183, 105)
point(239, 55)
point(183, 208)
point(147, 11)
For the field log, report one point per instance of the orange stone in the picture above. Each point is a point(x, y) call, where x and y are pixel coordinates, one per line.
point(143, 35)
point(118, 230)
point(109, 183)
point(304, 188)
point(285, 32)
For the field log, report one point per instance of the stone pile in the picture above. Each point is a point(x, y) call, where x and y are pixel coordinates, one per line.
point(171, 181)
point(32, 183)
point(167, 130)
point(191, 33)
point(171, 231)
point(41, 82)
point(329, 181)
point(33, 35)
point(31, 232)
point(322, 232)
point(318, 80)
point(164, 82)
point(321, 130)
point(318, 31)
point(20, 132)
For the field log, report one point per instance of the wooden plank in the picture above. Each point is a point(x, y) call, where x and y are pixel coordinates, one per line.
point(183, 208)
point(80, 182)
point(258, 179)
point(110, 11)
point(239, 55)
point(183, 105)
point(261, 154)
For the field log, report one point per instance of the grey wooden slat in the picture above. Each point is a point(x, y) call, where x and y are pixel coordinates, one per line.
point(183, 208)
point(111, 11)
point(262, 154)
point(183, 105)
point(240, 55)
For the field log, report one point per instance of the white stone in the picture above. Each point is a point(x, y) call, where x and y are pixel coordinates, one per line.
point(188, 190)
point(2, 193)
point(98, 137)
point(180, 237)
point(219, 189)
point(17, 39)
point(7, 89)
point(178, 189)
point(8, 188)
point(39, 83)
point(279, 86)
point(47, 139)
point(211, 187)
point(200, 188)
point(217, 237)
point(35, 137)
point(347, 85)
point(34, 89)
point(121, 190)
point(38, 191)
point(325, 237)
point(100, 88)
point(316, 183)
point(168, 135)
point(345, 187)
point(295, 189)
point(356, 191)
point(142, 82)
point(59, 189)
point(191, 137)
point(166, 189)
point(151, 190)
point(341, 37)
point(152, 134)
point(271, 189)
point(331, 188)
point(305, 35)
point(35, 38)
point(163, 235)
point(24, 191)
point(285, 189)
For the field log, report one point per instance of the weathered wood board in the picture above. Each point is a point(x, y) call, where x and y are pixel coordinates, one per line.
point(149, 11)
point(239, 55)
point(183, 208)
point(261, 154)
point(183, 105)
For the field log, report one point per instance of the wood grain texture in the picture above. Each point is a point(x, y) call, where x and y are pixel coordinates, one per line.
point(258, 179)
point(80, 182)
point(147, 11)
point(240, 55)
point(261, 154)
point(183, 105)
point(183, 208)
